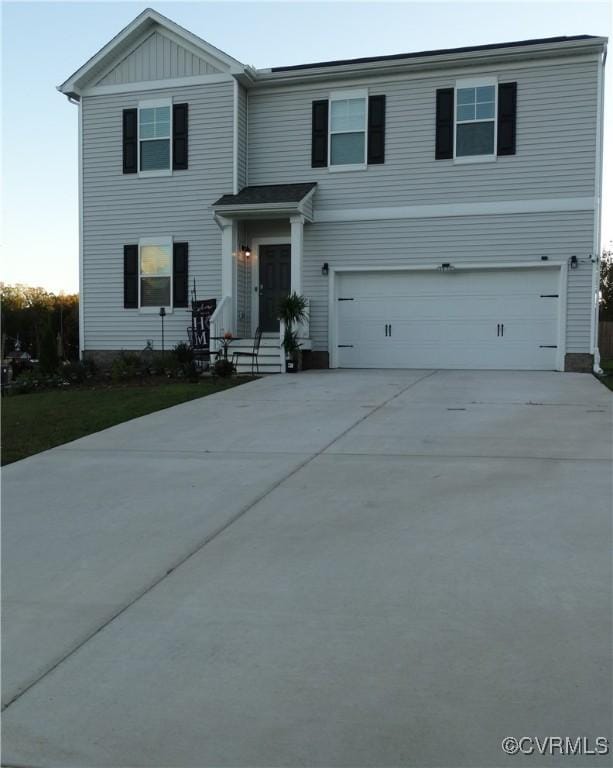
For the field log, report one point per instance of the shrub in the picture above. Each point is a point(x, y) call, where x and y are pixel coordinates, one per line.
point(77, 371)
point(126, 365)
point(223, 368)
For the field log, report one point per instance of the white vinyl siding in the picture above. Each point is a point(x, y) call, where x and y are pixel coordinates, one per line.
point(121, 209)
point(461, 239)
point(556, 142)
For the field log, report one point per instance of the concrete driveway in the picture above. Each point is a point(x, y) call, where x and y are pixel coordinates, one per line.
point(358, 568)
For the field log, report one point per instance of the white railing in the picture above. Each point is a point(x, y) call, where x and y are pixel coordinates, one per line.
point(221, 321)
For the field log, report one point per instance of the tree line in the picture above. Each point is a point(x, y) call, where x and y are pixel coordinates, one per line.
point(34, 320)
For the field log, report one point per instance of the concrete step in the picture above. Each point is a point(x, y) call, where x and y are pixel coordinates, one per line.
point(268, 357)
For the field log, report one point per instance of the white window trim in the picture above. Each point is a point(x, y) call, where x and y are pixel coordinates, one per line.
point(149, 104)
point(163, 241)
point(352, 93)
point(475, 82)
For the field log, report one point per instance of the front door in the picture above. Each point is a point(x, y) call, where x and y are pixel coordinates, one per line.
point(275, 274)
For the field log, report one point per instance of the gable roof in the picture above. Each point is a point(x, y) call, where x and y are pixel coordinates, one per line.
point(133, 35)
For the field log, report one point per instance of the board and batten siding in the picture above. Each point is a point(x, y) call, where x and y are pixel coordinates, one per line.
point(556, 141)
point(157, 58)
point(461, 239)
point(122, 208)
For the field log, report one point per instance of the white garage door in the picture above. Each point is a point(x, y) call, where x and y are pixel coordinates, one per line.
point(457, 319)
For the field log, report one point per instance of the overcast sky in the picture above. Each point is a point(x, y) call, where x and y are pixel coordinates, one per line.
point(43, 43)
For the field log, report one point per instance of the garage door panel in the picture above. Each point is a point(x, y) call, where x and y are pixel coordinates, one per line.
point(473, 319)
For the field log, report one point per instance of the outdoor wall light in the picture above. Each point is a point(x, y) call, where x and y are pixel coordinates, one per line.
point(324, 268)
point(574, 262)
point(246, 250)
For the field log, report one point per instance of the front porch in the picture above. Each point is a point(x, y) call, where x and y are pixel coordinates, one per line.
point(262, 236)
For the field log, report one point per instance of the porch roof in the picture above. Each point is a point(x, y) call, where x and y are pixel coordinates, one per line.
point(268, 201)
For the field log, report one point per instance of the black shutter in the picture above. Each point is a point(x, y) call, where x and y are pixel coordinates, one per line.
point(179, 137)
point(130, 141)
point(319, 136)
point(130, 276)
point(444, 124)
point(179, 274)
point(376, 130)
point(507, 117)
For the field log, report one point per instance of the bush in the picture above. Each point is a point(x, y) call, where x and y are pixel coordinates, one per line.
point(35, 381)
point(77, 371)
point(222, 368)
point(126, 365)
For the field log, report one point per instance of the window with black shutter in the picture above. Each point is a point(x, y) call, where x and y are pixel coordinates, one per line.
point(507, 118)
point(376, 130)
point(180, 274)
point(130, 141)
point(130, 276)
point(444, 124)
point(179, 137)
point(319, 134)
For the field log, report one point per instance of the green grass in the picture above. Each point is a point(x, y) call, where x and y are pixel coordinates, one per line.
point(38, 421)
point(607, 376)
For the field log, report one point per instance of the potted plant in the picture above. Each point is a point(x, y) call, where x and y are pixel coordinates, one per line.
point(292, 312)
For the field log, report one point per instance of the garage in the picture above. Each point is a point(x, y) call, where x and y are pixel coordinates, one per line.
point(451, 318)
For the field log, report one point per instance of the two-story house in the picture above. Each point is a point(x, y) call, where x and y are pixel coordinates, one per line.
point(438, 209)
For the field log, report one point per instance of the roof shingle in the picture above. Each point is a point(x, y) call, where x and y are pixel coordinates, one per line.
point(269, 193)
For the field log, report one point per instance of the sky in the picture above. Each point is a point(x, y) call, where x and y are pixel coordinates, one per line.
point(45, 42)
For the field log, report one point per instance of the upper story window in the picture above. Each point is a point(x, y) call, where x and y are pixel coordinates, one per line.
point(348, 116)
point(154, 136)
point(475, 119)
point(155, 274)
point(348, 130)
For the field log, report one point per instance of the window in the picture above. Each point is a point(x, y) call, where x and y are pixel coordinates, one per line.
point(155, 274)
point(154, 132)
point(348, 115)
point(475, 120)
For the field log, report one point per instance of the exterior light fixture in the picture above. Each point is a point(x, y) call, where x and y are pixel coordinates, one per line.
point(324, 268)
point(246, 250)
point(544, 258)
point(574, 262)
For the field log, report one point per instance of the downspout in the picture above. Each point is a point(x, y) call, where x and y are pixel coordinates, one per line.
point(597, 215)
point(77, 101)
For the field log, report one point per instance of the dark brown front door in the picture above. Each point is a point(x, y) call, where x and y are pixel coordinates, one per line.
point(275, 271)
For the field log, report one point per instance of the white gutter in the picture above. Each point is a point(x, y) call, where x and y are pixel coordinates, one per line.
point(597, 215)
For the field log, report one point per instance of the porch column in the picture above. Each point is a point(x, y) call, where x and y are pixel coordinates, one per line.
point(227, 259)
point(297, 238)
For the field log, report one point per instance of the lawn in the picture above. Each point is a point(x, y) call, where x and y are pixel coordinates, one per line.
point(35, 422)
point(607, 375)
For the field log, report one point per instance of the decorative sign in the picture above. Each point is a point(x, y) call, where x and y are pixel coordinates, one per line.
point(201, 321)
